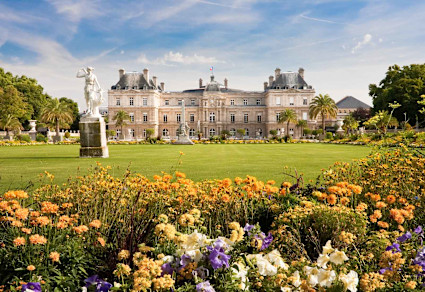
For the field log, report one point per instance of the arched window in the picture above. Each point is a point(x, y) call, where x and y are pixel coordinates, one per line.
point(212, 132)
point(132, 133)
point(232, 132)
point(165, 132)
point(246, 132)
point(260, 132)
point(192, 132)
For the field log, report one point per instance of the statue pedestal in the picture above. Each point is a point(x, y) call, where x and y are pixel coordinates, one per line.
point(33, 135)
point(183, 140)
point(93, 137)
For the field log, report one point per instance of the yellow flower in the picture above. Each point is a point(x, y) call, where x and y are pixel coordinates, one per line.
point(123, 254)
point(95, 224)
point(186, 220)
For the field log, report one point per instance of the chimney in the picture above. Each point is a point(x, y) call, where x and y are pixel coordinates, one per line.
point(122, 72)
point(277, 72)
point(301, 72)
point(162, 86)
point(146, 74)
point(270, 80)
point(265, 86)
point(225, 83)
point(154, 80)
point(200, 82)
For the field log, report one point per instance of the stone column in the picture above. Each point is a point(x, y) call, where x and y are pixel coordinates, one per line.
point(93, 137)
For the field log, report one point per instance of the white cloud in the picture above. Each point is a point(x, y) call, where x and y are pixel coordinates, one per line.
point(172, 58)
point(75, 10)
point(366, 39)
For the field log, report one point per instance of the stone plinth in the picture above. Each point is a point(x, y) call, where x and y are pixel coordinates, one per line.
point(93, 137)
point(183, 140)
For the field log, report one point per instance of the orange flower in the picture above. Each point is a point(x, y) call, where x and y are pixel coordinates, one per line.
point(271, 182)
point(180, 174)
point(15, 195)
point(380, 205)
point(30, 268)
point(238, 180)
point(331, 199)
point(22, 213)
point(286, 184)
point(54, 256)
point(383, 224)
point(225, 198)
point(95, 224)
point(38, 239)
point(283, 191)
point(361, 207)
point(80, 229)
point(48, 207)
point(18, 241)
point(42, 221)
point(391, 199)
point(101, 241)
point(345, 201)
point(26, 230)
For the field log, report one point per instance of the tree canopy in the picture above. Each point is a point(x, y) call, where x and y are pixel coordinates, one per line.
point(324, 106)
point(404, 85)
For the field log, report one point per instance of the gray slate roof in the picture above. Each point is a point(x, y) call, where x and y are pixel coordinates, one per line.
point(213, 86)
point(351, 102)
point(288, 80)
point(134, 80)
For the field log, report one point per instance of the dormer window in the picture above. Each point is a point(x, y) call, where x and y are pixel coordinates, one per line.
point(277, 87)
point(118, 87)
point(135, 87)
point(179, 102)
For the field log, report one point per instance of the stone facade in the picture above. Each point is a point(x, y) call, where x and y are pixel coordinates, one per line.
point(210, 108)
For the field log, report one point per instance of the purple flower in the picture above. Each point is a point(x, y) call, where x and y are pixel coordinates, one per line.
point(395, 246)
point(204, 287)
point(218, 259)
point(167, 269)
point(267, 241)
point(101, 286)
point(420, 258)
point(382, 271)
point(248, 227)
point(418, 230)
point(185, 259)
point(34, 286)
point(405, 237)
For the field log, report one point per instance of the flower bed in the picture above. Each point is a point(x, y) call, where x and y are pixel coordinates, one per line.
point(358, 228)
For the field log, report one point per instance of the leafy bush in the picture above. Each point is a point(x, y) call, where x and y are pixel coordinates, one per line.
point(24, 138)
point(41, 138)
point(329, 136)
point(67, 135)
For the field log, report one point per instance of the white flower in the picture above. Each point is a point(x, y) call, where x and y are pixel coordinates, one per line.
point(265, 268)
point(326, 277)
point(240, 273)
point(285, 289)
point(195, 240)
point(117, 284)
point(296, 280)
point(312, 275)
point(327, 249)
point(351, 280)
point(338, 257)
point(275, 258)
point(195, 255)
point(83, 289)
point(168, 259)
point(322, 260)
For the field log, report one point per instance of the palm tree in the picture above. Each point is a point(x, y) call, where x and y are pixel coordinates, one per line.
point(57, 113)
point(9, 122)
point(302, 124)
point(120, 119)
point(288, 116)
point(324, 106)
point(350, 123)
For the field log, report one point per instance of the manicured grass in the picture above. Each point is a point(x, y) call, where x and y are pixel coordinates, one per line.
point(21, 164)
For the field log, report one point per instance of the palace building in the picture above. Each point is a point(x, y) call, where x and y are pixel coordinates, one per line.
point(210, 108)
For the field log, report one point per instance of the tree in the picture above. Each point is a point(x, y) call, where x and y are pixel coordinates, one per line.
point(273, 133)
point(404, 85)
point(350, 124)
point(361, 115)
point(12, 103)
point(73, 106)
point(381, 121)
point(241, 132)
point(324, 106)
point(225, 134)
point(302, 124)
point(149, 132)
point(58, 114)
point(10, 123)
point(120, 119)
point(288, 116)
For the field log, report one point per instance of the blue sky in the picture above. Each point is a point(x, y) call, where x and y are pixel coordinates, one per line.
point(342, 45)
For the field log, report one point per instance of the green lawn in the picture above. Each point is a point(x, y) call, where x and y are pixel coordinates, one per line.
point(21, 164)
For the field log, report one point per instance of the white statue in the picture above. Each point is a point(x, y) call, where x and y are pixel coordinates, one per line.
point(92, 91)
